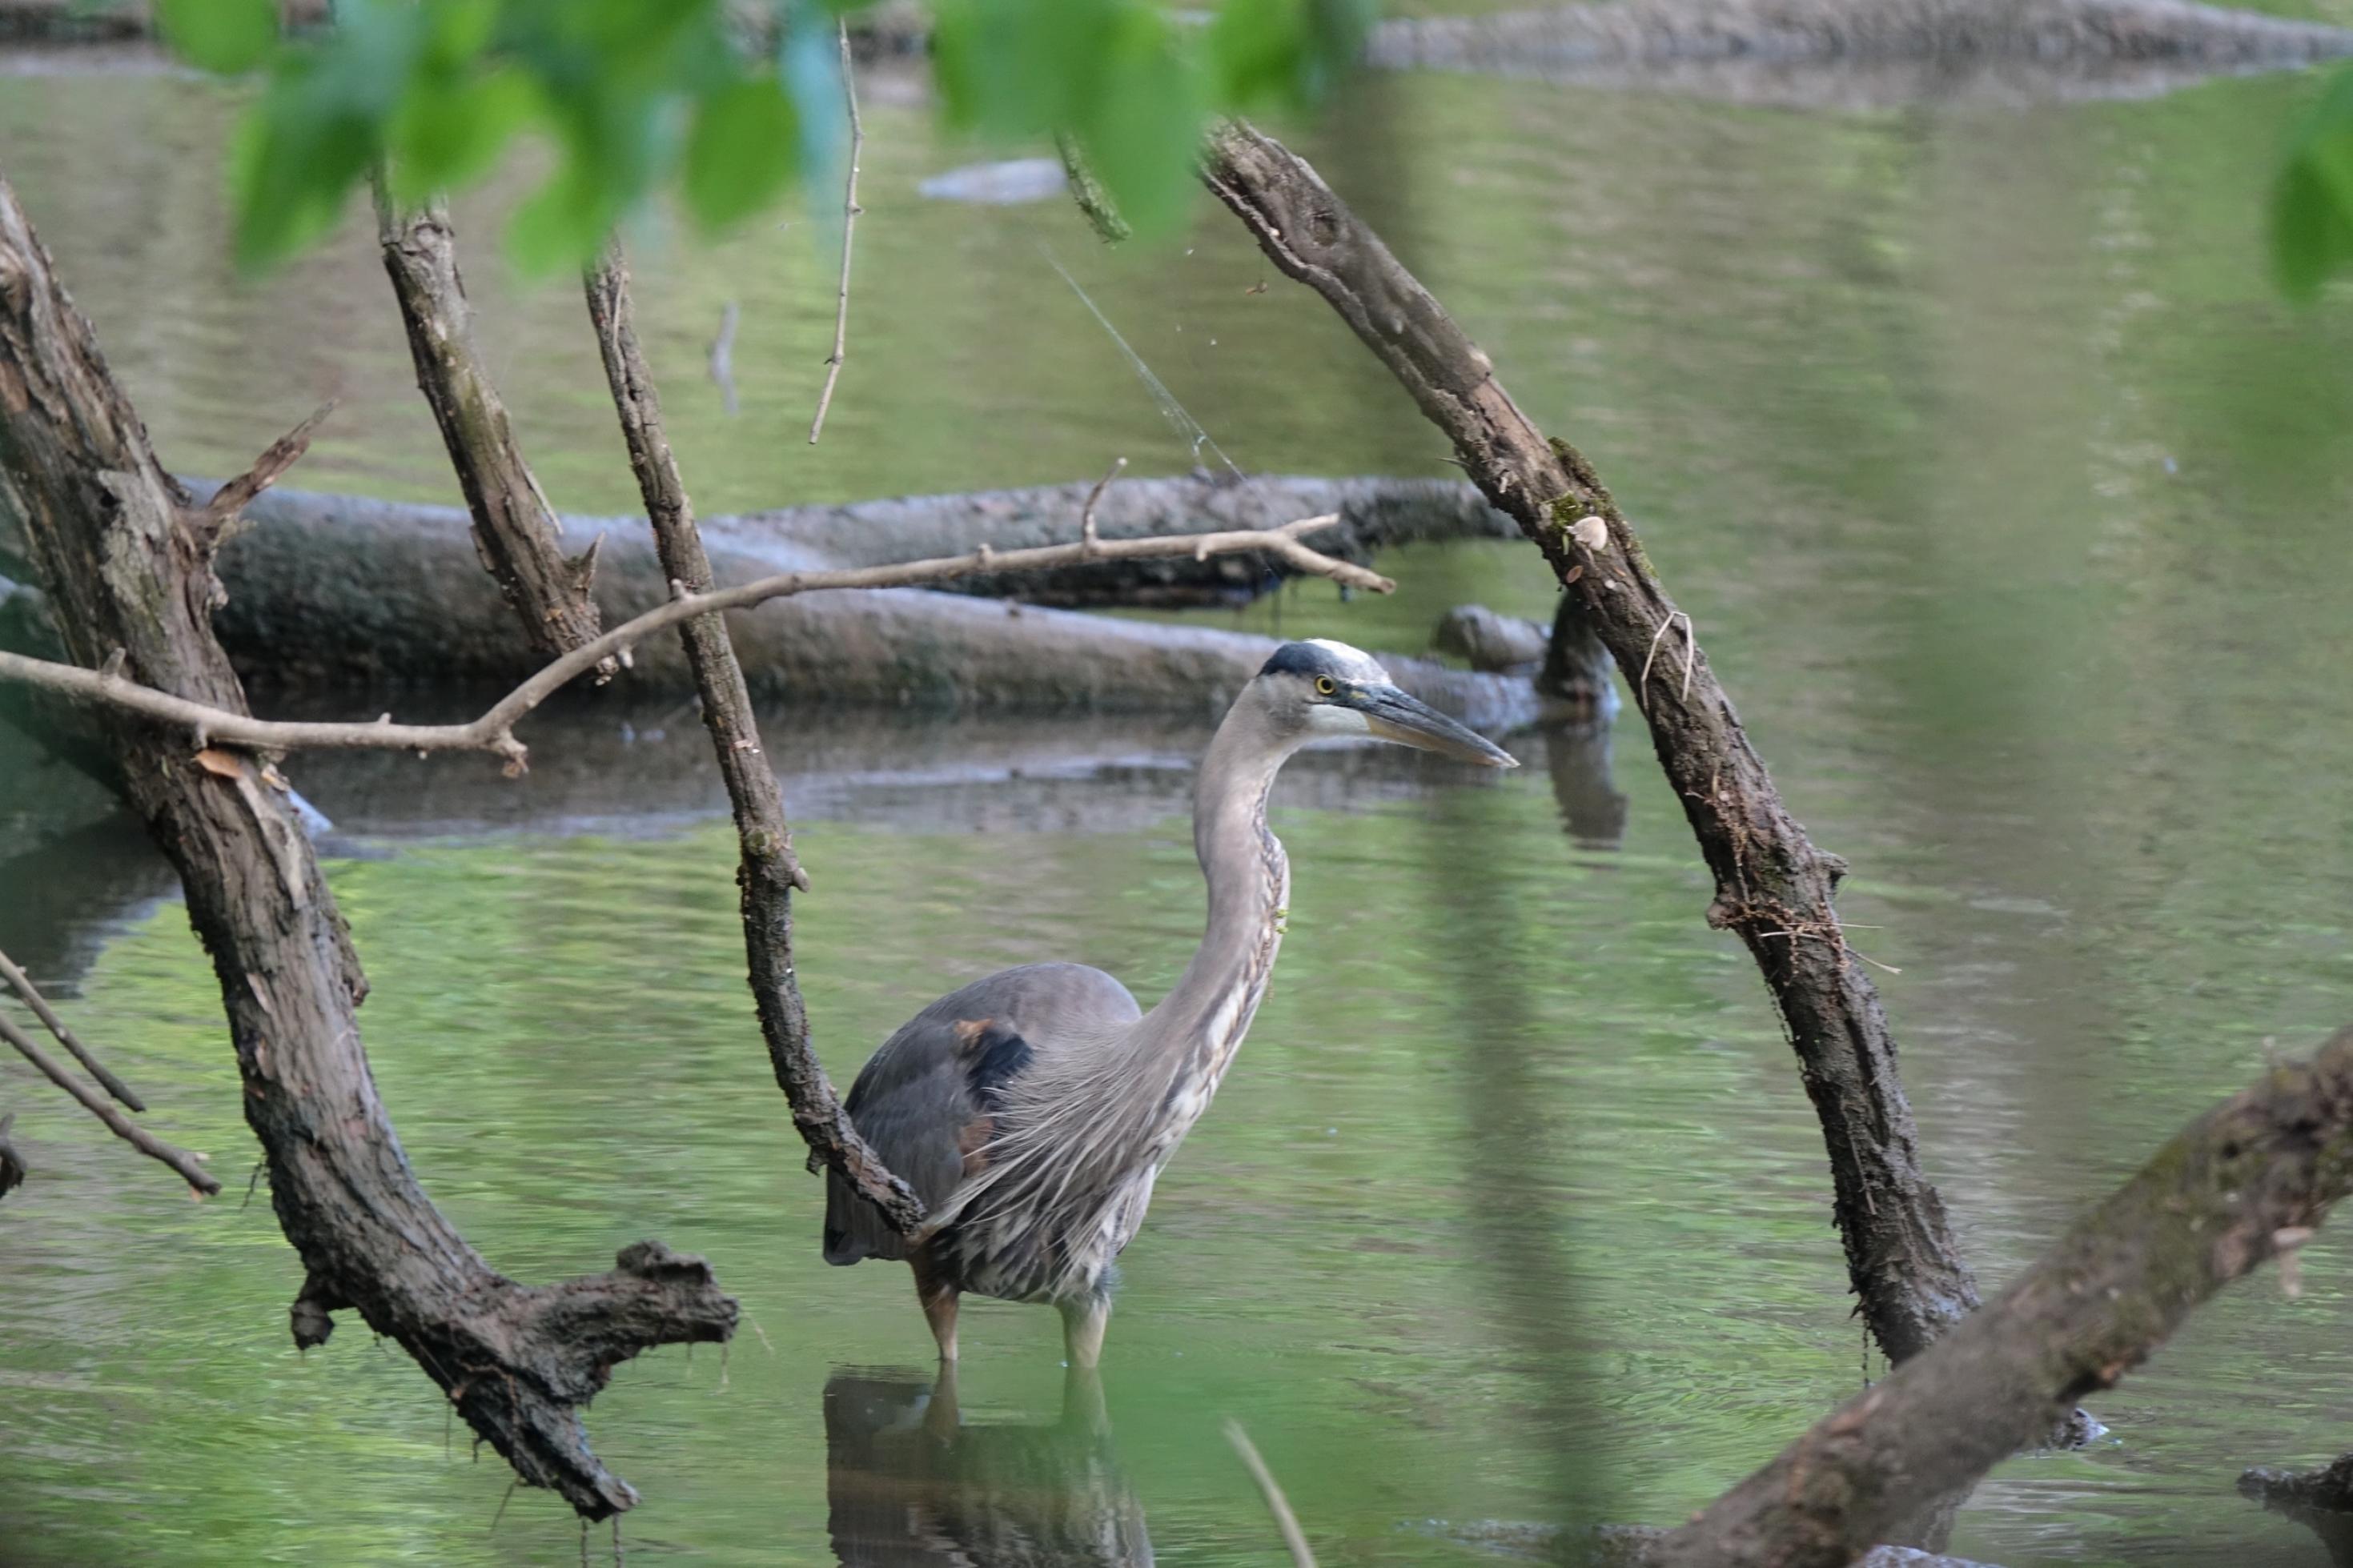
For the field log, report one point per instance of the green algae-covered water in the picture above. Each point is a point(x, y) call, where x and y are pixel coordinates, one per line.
point(2006, 497)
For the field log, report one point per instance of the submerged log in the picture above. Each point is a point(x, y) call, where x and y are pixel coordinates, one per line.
point(1656, 32)
point(1862, 54)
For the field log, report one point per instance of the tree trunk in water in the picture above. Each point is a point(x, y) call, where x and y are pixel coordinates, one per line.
point(129, 574)
point(2244, 1183)
point(1774, 889)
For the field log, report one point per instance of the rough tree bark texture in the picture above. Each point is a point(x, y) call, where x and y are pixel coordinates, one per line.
point(2244, 1183)
point(514, 528)
point(130, 577)
point(1774, 889)
point(768, 872)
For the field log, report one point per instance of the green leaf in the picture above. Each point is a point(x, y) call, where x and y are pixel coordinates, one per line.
point(1143, 129)
point(447, 132)
point(2312, 204)
point(742, 153)
point(1287, 50)
point(224, 36)
point(562, 223)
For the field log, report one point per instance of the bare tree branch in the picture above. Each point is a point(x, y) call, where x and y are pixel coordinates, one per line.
point(17, 981)
point(1774, 887)
point(494, 731)
point(850, 211)
point(186, 1164)
point(110, 531)
point(282, 454)
point(768, 872)
point(514, 528)
point(2244, 1183)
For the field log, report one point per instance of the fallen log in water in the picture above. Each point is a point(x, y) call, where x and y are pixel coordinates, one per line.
point(1864, 53)
point(331, 592)
point(336, 591)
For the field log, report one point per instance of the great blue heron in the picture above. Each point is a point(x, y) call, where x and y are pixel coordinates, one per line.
point(1031, 1110)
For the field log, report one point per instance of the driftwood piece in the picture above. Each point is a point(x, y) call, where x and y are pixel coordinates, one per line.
point(514, 528)
point(768, 872)
point(127, 577)
point(2244, 1183)
point(1774, 889)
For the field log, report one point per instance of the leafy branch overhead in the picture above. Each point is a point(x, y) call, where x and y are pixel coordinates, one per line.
point(718, 106)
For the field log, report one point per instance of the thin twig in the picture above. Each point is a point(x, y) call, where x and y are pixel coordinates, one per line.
point(1087, 539)
point(1276, 1504)
point(1642, 686)
point(494, 731)
point(185, 1163)
point(17, 981)
point(850, 211)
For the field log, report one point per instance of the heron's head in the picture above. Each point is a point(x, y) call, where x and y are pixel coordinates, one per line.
point(1324, 688)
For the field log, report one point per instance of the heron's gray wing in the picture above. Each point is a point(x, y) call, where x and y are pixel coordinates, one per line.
point(924, 1099)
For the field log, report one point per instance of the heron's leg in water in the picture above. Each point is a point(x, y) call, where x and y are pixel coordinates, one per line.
point(940, 1417)
point(939, 1299)
point(1082, 1402)
point(1084, 1322)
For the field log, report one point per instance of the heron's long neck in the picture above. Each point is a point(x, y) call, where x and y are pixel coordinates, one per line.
point(1202, 1019)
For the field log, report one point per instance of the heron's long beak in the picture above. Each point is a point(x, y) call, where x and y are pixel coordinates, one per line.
point(1393, 716)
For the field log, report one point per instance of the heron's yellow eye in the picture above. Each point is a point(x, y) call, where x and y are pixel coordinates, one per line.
point(1323, 686)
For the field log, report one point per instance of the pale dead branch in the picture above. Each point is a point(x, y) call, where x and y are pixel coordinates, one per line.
point(850, 211)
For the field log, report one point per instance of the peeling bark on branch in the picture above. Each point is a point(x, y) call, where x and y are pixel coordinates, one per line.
point(1773, 887)
point(128, 573)
point(768, 872)
point(2244, 1183)
point(514, 528)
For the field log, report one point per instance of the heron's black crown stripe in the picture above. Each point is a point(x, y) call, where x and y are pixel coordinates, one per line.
point(1300, 658)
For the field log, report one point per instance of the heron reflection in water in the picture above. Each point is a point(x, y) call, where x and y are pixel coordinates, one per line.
point(910, 1485)
point(1031, 1110)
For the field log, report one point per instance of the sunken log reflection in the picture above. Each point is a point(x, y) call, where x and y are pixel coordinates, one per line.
point(908, 1483)
point(1592, 806)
